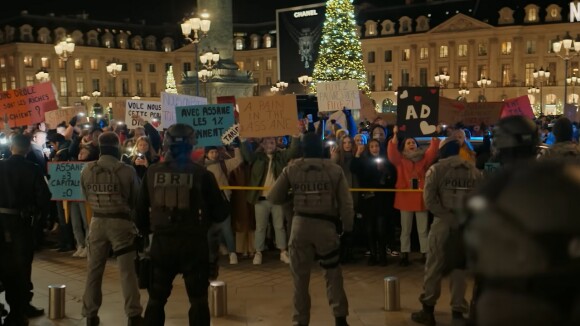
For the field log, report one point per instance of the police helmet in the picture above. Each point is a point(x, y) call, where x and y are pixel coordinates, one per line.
point(519, 229)
point(179, 138)
point(515, 131)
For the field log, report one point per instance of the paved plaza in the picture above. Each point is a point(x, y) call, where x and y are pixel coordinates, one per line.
point(257, 295)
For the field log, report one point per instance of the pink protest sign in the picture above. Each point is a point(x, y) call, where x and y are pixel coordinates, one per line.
point(517, 106)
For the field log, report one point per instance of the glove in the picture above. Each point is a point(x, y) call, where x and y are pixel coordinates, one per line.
point(73, 121)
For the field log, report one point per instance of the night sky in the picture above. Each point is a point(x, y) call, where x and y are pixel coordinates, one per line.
point(155, 12)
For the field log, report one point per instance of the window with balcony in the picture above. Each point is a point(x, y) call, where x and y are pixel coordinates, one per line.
point(463, 75)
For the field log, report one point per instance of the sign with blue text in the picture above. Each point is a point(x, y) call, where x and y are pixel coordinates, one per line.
point(210, 121)
point(65, 180)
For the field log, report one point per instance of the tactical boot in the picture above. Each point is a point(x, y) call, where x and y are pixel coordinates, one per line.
point(340, 321)
point(135, 321)
point(93, 321)
point(404, 259)
point(425, 316)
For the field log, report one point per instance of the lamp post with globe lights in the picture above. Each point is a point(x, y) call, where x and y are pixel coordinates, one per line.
point(305, 81)
point(42, 76)
point(442, 79)
point(483, 83)
point(573, 81)
point(194, 29)
point(64, 49)
point(566, 49)
point(542, 76)
point(463, 92)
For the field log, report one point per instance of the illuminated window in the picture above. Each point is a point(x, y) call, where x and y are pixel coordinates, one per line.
point(482, 49)
point(406, 55)
point(78, 64)
point(462, 50)
point(268, 41)
point(239, 44)
point(257, 65)
point(505, 75)
point(506, 48)
point(463, 75)
point(269, 64)
point(28, 61)
point(29, 80)
point(45, 62)
point(94, 63)
point(62, 83)
point(531, 46)
point(240, 64)
point(530, 67)
point(80, 82)
point(2, 62)
point(443, 51)
point(424, 53)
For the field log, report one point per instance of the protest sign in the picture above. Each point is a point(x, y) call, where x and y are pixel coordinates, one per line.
point(367, 108)
point(517, 106)
point(268, 116)
point(451, 111)
point(150, 111)
point(418, 110)
point(337, 95)
point(209, 121)
point(477, 113)
point(170, 101)
point(53, 118)
point(25, 106)
point(228, 99)
point(231, 134)
point(65, 180)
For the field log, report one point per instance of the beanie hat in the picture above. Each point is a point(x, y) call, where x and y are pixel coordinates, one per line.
point(311, 145)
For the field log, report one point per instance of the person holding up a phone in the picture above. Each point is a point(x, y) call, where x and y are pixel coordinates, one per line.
point(411, 162)
point(142, 156)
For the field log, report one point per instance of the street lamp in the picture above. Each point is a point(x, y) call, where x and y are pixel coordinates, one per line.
point(571, 49)
point(197, 28)
point(574, 81)
point(42, 76)
point(96, 95)
point(305, 80)
point(542, 75)
point(442, 80)
point(463, 92)
point(64, 49)
point(483, 83)
point(281, 86)
point(114, 69)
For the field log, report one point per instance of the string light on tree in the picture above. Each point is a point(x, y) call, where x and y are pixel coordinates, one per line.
point(340, 55)
point(170, 86)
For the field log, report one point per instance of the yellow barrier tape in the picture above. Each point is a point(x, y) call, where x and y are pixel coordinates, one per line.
point(351, 189)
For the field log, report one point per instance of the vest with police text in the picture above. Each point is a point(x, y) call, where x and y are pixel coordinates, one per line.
point(105, 191)
point(175, 195)
point(313, 188)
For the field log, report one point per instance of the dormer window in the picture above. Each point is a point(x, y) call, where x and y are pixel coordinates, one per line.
point(239, 44)
point(371, 28)
point(255, 41)
point(506, 16)
point(267, 41)
point(532, 14)
point(387, 27)
point(553, 13)
point(405, 25)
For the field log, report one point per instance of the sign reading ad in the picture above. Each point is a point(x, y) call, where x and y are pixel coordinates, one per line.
point(298, 34)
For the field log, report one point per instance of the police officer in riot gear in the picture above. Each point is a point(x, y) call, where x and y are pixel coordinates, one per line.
point(447, 183)
point(524, 242)
point(111, 188)
point(514, 138)
point(323, 207)
point(179, 201)
point(23, 191)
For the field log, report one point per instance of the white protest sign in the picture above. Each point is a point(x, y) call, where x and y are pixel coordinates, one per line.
point(150, 111)
point(231, 134)
point(337, 95)
point(170, 101)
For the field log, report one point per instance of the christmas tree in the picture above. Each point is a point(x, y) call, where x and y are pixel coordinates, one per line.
point(340, 55)
point(170, 85)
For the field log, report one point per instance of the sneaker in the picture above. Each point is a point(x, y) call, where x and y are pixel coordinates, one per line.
point(284, 257)
point(233, 258)
point(76, 253)
point(83, 253)
point(223, 250)
point(392, 253)
point(258, 258)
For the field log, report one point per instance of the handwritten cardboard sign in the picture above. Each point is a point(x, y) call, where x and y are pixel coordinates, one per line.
point(65, 180)
point(517, 106)
point(337, 95)
point(418, 110)
point(231, 134)
point(53, 118)
point(210, 121)
point(150, 111)
point(170, 101)
point(477, 113)
point(25, 106)
point(268, 116)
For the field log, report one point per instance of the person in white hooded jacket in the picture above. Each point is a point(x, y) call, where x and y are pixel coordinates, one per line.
point(221, 167)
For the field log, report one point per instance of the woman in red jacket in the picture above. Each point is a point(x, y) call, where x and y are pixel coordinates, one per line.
point(412, 164)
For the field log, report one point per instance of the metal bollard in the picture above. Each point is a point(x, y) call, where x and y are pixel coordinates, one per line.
point(218, 304)
point(392, 293)
point(56, 301)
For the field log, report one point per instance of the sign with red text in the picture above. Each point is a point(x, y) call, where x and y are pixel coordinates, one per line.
point(517, 106)
point(268, 116)
point(337, 95)
point(149, 111)
point(170, 101)
point(25, 106)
